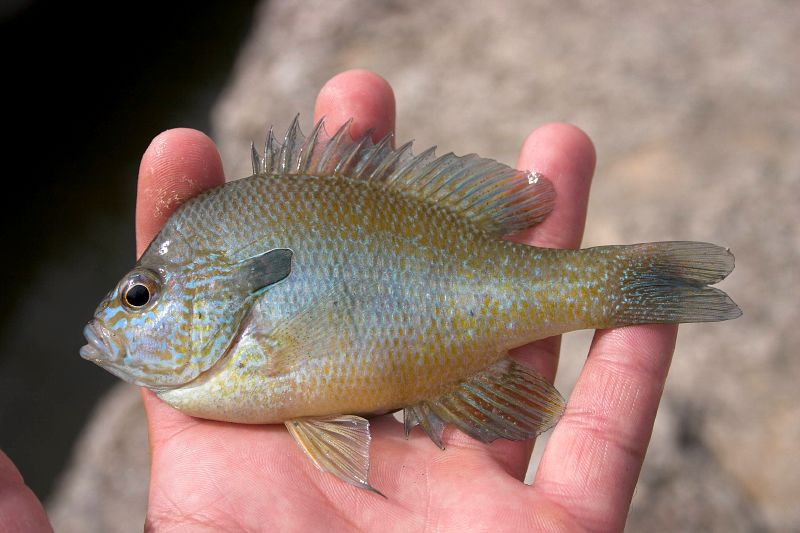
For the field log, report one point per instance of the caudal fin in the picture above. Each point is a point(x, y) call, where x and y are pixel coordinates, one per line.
point(667, 282)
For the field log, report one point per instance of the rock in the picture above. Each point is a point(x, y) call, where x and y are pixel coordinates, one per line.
point(104, 489)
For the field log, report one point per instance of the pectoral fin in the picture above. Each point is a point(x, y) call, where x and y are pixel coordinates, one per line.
point(506, 400)
point(338, 444)
point(317, 330)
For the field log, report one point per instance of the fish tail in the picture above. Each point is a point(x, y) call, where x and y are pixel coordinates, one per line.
point(667, 282)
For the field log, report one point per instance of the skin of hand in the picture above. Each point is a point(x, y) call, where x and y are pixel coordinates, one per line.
point(213, 476)
point(20, 510)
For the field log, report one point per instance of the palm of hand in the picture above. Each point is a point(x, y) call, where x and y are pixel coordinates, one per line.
point(216, 476)
point(224, 476)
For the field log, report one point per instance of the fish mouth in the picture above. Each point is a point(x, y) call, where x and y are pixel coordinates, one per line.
point(107, 349)
point(99, 348)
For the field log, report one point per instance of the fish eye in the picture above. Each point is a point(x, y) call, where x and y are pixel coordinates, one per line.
point(139, 290)
point(137, 296)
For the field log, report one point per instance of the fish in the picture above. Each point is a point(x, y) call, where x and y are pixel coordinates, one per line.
point(347, 278)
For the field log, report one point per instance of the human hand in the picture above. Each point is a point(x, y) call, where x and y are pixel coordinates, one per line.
point(214, 476)
point(20, 511)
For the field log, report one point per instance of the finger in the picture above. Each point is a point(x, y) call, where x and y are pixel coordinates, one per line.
point(594, 456)
point(20, 510)
point(177, 165)
point(361, 95)
point(566, 156)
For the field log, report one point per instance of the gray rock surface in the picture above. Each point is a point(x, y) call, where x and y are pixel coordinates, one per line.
point(104, 489)
point(694, 110)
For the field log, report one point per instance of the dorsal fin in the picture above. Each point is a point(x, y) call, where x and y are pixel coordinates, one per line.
point(496, 197)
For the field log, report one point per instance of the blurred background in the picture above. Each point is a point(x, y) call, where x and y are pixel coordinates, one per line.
point(693, 107)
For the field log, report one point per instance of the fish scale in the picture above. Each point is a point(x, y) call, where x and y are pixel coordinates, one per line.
point(346, 279)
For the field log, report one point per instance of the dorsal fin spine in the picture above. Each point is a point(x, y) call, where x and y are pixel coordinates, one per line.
point(269, 151)
point(378, 153)
point(332, 146)
point(343, 166)
point(392, 159)
point(287, 148)
point(255, 159)
point(308, 147)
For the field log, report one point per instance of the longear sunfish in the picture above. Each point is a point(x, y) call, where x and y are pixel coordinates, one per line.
point(345, 279)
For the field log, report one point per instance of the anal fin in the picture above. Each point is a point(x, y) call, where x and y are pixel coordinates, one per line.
point(421, 414)
point(337, 444)
point(507, 400)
